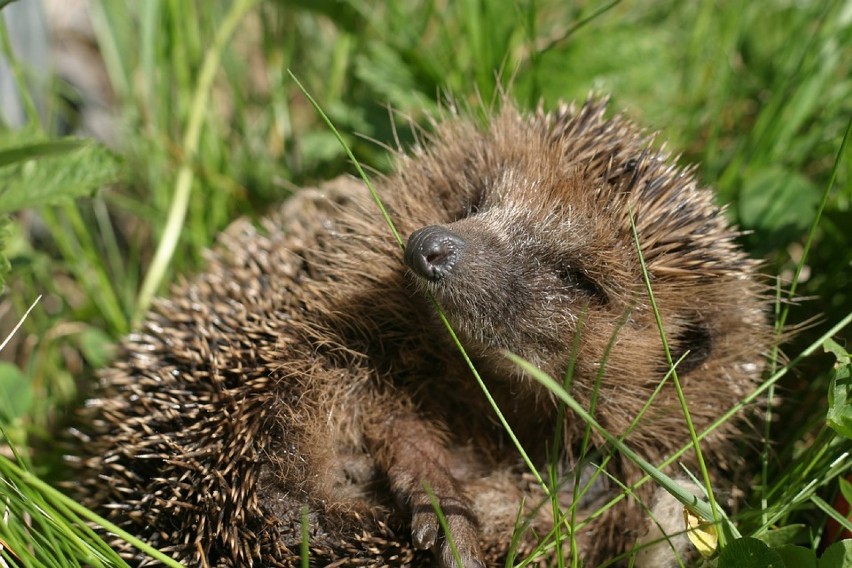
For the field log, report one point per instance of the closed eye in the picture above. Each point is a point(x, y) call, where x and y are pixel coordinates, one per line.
point(477, 200)
point(576, 279)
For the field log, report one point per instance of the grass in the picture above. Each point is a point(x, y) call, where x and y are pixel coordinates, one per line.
point(209, 125)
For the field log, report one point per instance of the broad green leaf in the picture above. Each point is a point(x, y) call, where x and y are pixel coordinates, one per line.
point(16, 392)
point(797, 556)
point(97, 347)
point(345, 14)
point(842, 356)
point(788, 534)
point(776, 199)
point(319, 147)
point(39, 150)
point(839, 401)
point(382, 68)
point(55, 174)
point(749, 553)
point(838, 555)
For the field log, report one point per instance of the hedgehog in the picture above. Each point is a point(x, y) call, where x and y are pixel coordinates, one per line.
point(303, 396)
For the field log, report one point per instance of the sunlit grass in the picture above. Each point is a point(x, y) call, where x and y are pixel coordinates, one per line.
point(210, 125)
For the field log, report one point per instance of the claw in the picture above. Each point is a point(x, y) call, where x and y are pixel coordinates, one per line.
point(424, 533)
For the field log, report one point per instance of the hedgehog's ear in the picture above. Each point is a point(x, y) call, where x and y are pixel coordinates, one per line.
point(697, 340)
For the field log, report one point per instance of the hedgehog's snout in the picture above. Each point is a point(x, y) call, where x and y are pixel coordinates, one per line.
point(432, 252)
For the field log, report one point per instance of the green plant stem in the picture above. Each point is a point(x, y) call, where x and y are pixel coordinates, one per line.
point(18, 325)
point(676, 381)
point(785, 310)
point(90, 267)
point(351, 156)
point(103, 20)
point(839, 466)
point(304, 546)
point(685, 497)
point(767, 418)
point(183, 185)
point(737, 408)
point(832, 512)
point(442, 520)
point(392, 227)
point(20, 79)
point(55, 496)
point(812, 232)
point(503, 422)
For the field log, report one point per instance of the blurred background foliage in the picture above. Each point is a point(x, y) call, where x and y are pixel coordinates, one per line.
point(99, 98)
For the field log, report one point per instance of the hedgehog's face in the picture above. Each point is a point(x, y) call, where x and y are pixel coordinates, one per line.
point(508, 283)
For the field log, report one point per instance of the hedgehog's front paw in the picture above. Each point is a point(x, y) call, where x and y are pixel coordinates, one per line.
point(411, 451)
point(463, 534)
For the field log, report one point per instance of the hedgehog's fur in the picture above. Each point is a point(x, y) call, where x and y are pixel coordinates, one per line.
point(306, 370)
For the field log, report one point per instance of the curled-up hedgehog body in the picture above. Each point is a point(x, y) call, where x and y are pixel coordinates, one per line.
point(305, 377)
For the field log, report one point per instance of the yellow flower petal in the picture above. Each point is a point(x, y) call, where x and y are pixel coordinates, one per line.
point(701, 533)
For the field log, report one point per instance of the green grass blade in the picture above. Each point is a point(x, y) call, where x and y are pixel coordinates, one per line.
point(708, 485)
point(183, 185)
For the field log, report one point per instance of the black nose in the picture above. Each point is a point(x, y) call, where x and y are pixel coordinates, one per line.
point(433, 251)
